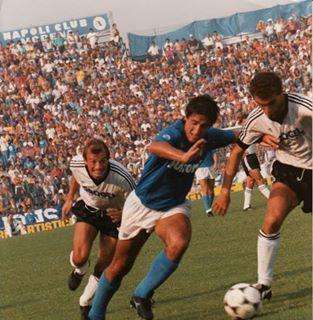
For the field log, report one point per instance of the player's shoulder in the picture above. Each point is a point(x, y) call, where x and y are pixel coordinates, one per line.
point(174, 130)
point(115, 165)
point(254, 115)
point(119, 173)
point(299, 100)
point(77, 161)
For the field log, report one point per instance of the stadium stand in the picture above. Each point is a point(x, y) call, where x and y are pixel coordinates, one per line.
point(55, 94)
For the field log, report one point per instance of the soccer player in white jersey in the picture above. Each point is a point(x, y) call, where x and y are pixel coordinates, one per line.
point(251, 166)
point(103, 185)
point(288, 118)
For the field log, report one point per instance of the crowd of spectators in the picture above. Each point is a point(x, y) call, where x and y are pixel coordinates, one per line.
point(56, 93)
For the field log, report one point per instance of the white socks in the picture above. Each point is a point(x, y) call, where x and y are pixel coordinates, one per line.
point(264, 190)
point(247, 201)
point(79, 270)
point(268, 245)
point(89, 291)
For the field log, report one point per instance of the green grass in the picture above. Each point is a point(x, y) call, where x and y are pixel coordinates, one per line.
point(34, 271)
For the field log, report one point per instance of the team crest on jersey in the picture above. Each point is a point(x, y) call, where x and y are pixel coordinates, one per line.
point(166, 137)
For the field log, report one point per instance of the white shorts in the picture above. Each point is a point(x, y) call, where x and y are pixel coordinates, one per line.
point(137, 217)
point(205, 173)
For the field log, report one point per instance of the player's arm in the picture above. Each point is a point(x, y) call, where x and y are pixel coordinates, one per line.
point(220, 206)
point(74, 186)
point(215, 161)
point(165, 150)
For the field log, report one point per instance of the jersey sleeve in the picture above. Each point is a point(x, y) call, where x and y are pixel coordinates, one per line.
point(76, 163)
point(250, 133)
point(305, 104)
point(218, 138)
point(170, 135)
point(124, 178)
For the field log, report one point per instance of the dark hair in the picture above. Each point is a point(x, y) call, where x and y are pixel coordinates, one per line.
point(204, 105)
point(265, 85)
point(96, 146)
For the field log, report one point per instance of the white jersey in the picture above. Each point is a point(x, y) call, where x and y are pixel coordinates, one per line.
point(251, 149)
point(295, 132)
point(109, 193)
point(269, 155)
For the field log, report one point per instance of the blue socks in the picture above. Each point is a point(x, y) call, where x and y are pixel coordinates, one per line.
point(207, 202)
point(102, 297)
point(160, 270)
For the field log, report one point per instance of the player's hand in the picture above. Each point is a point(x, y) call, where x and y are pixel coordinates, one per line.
point(221, 203)
point(270, 141)
point(115, 214)
point(194, 151)
point(66, 209)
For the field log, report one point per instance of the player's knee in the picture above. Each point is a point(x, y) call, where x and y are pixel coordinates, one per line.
point(272, 223)
point(80, 257)
point(177, 248)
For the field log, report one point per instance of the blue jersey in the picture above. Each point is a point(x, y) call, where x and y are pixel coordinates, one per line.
point(208, 160)
point(165, 183)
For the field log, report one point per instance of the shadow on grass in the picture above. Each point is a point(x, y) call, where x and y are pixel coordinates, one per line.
point(17, 304)
point(292, 273)
point(302, 293)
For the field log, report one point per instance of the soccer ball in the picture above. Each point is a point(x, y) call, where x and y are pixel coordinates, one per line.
point(242, 301)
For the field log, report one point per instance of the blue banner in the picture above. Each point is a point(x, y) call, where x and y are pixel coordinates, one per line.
point(80, 26)
point(227, 26)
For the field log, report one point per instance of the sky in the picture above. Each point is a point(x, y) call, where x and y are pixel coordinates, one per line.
point(138, 16)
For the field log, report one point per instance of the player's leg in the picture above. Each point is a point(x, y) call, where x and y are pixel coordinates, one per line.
point(207, 192)
point(206, 178)
point(124, 257)
point(248, 193)
point(175, 232)
point(260, 181)
point(107, 246)
point(281, 201)
point(84, 235)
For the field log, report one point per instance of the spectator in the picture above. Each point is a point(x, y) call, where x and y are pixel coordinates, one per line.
point(52, 100)
point(92, 38)
point(153, 51)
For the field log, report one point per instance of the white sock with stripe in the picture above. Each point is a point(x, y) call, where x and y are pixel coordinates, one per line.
point(268, 245)
point(247, 198)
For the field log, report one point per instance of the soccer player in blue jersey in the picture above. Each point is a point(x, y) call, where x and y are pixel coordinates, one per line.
point(205, 175)
point(159, 203)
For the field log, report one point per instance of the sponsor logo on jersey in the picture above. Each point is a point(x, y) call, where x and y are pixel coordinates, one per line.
point(291, 135)
point(183, 168)
point(100, 194)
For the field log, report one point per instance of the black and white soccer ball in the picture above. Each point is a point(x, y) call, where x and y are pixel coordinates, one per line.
point(242, 301)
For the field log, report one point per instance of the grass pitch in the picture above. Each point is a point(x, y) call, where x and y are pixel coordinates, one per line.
point(34, 270)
